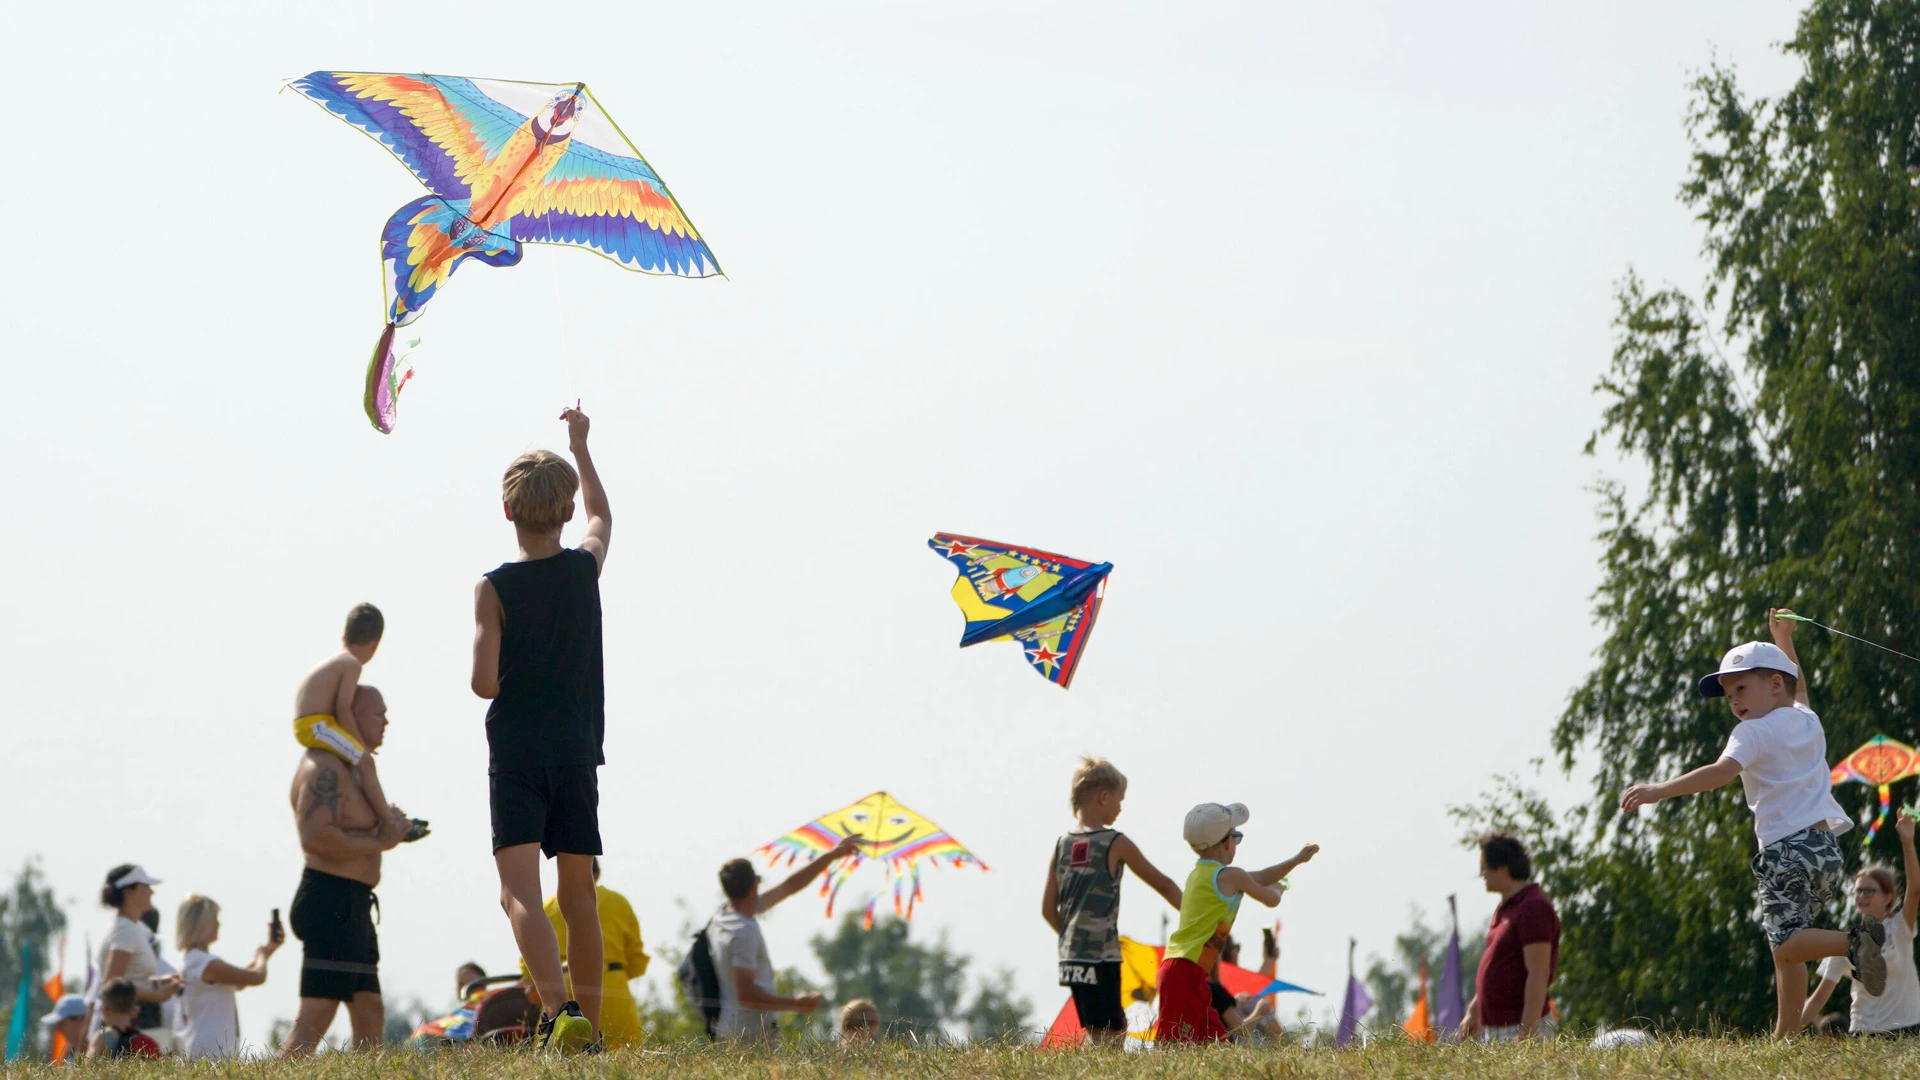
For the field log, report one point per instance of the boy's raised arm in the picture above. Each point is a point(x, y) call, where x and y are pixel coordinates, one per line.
point(1704, 778)
point(1272, 874)
point(592, 495)
point(1782, 630)
point(1240, 881)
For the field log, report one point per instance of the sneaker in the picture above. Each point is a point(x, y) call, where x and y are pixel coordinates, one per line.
point(1863, 952)
point(416, 830)
point(565, 1032)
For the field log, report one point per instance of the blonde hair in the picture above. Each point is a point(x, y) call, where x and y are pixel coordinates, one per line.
point(1096, 774)
point(859, 1017)
point(538, 489)
point(194, 924)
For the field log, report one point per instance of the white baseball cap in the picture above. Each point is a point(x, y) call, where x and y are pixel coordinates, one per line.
point(1753, 656)
point(68, 1007)
point(1209, 823)
point(136, 876)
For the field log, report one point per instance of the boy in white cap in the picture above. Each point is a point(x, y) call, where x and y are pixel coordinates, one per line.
point(1779, 752)
point(1207, 908)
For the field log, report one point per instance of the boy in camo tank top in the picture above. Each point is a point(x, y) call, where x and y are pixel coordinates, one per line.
point(1082, 898)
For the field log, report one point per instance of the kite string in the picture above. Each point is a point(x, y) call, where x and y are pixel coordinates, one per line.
point(560, 318)
point(1853, 637)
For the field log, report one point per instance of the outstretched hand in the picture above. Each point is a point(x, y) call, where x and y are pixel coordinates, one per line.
point(1780, 628)
point(1639, 795)
point(1904, 824)
point(577, 425)
point(848, 845)
point(1307, 853)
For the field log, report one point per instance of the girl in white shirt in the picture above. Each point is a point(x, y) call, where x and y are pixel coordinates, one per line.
point(1896, 1011)
point(213, 1016)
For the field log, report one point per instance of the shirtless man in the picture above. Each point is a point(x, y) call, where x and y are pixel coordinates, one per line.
point(323, 707)
point(332, 913)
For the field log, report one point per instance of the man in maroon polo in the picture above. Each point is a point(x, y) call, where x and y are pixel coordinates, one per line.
point(1523, 949)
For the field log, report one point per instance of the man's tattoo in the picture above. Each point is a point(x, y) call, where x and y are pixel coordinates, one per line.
point(325, 791)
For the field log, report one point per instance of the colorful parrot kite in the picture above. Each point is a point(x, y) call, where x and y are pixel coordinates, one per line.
point(1880, 761)
point(506, 163)
point(1046, 602)
point(893, 833)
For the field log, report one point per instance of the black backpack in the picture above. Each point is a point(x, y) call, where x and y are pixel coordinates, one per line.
point(699, 981)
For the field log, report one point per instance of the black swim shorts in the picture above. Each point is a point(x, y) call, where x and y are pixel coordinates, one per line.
point(557, 807)
point(333, 918)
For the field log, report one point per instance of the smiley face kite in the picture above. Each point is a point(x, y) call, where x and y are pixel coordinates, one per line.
point(891, 833)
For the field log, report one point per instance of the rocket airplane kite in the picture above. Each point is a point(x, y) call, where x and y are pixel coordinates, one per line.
point(506, 164)
point(1045, 602)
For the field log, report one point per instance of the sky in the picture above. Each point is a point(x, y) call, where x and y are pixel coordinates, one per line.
point(1290, 311)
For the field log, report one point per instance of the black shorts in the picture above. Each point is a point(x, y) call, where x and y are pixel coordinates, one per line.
point(333, 918)
point(1096, 993)
point(557, 807)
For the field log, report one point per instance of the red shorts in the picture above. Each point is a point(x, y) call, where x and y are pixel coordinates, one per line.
point(1186, 1005)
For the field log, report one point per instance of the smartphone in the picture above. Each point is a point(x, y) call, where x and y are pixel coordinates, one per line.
point(275, 931)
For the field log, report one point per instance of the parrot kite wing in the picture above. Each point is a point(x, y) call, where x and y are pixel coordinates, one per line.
point(1044, 602)
point(1880, 762)
point(505, 164)
point(893, 834)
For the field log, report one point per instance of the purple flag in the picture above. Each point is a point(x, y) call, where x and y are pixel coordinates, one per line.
point(1449, 1009)
point(1355, 1006)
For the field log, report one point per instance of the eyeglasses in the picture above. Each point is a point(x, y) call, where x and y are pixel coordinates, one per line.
point(1236, 836)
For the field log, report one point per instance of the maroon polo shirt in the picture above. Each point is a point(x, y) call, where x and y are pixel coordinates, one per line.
point(1525, 918)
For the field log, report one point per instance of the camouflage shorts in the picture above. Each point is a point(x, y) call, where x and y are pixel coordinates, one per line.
point(1797, 874)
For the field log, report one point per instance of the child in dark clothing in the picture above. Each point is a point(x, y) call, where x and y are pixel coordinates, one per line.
point(117, 1037)
point(537, 656)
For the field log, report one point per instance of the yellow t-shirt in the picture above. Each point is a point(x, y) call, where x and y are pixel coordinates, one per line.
point(1205, 917)
point(620, 944)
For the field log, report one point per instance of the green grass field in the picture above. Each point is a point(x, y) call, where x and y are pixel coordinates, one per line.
point(1707, 1058)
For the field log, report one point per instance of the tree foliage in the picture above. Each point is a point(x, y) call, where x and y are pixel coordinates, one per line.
point(1791, 481)
point(1394, 982)
point(920, 989)
point(28, 915)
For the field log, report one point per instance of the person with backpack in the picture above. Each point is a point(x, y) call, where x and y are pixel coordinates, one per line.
point(736, 991)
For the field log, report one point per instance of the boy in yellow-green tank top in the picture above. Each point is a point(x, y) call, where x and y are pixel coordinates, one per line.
point(1208, 906)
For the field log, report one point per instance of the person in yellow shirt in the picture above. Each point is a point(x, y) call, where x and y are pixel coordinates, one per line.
point(626, 957)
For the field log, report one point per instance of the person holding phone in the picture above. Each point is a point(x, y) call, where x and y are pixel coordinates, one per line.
point(213, 1014)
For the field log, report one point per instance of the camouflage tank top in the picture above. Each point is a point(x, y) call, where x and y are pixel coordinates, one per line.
point(1089, 896)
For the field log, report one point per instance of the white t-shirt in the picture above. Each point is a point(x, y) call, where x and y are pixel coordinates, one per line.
point(213, 1017)
point(1897, 1006)
point(1783, 766)
point(136, 941)
point(737, 943)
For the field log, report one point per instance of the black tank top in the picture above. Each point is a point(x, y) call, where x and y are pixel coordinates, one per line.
point(551, 709)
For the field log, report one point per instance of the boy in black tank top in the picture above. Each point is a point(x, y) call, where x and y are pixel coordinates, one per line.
point(536, 655)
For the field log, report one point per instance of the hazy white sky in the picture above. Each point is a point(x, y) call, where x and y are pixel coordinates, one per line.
point(1291, 311)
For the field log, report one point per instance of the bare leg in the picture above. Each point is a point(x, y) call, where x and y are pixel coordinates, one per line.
point(1810, 944)
point(1790, 989)
point(1105, 1039)
point(519, 868)
point(309, 1027)
point(586, 957)
point(367, 1012)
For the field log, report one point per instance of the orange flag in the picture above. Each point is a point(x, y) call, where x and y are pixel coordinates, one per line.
point(1418, 1026)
